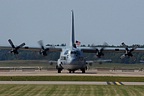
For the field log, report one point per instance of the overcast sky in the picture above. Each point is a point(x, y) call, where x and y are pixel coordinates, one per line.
point(96, 21)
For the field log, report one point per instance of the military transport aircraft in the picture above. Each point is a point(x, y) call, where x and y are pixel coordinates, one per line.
point(72, 58)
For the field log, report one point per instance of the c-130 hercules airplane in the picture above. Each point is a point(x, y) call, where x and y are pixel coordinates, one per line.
point(72, 58)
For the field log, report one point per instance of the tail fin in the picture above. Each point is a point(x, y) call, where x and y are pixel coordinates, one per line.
point(72, 42)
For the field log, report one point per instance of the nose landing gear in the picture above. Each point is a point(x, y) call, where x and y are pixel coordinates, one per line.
point(59, 69)
point(71, 71)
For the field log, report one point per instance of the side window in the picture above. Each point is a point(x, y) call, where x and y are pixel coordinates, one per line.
point(63, 58)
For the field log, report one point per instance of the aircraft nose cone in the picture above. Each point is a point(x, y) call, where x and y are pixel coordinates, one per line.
point(73, 61)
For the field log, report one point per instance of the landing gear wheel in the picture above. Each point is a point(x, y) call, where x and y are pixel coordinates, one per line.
point(59, 70)
point(69, 71)
point(73, 71)
point(83, 70)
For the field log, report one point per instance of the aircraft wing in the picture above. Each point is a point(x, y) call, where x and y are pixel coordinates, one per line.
point(49, 49)
point(100, 61)
point(95, 50)
point(101, 50)
point(9, 47)
point(52, 62)
point(43, 51)
point(108, 49)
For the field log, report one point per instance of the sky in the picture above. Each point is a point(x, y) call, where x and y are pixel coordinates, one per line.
point(96, 21)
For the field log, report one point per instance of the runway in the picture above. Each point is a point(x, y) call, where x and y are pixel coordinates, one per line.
point(71, 82)
point(77, 73)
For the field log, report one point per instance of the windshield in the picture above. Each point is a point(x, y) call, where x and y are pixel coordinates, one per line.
point(77, 53)
point(66, 52)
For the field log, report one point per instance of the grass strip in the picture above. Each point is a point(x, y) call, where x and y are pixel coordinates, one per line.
point(70, 90)
point(72, 78)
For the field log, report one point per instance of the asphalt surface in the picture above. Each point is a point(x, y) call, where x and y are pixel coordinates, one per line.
point(77, 73)
point(71, 82)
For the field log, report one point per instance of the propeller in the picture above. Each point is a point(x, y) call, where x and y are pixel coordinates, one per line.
point(15, 48)
point(128, 52)
point(99, 52)
point(43, 50)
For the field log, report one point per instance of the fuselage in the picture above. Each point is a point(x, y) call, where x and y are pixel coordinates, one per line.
point(71, 59)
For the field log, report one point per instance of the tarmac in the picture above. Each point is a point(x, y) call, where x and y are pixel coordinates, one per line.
point(71, 83)
point(77, 73)
point(135, 73)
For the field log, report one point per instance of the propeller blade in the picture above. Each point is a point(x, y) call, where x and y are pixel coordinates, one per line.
point(20, 46)
point(41, 44)
point(136, 46)
point(100, 52)
point(46, 49)
point(11, 43)
point(123, 56)
point(43, 51)
point(15, 49)
point(131, 50)
point(127, 51)
point(105, 44)
point(124, 45)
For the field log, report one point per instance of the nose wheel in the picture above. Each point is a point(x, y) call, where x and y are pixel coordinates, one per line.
point(59, 70)
point(71, 71)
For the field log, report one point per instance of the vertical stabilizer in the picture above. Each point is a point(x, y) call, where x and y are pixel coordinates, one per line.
point(72, 42)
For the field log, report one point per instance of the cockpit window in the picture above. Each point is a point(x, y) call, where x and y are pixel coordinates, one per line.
point(63, 58)
point(66, 52)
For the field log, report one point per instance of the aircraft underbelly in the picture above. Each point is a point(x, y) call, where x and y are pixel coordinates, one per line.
point(76, 66)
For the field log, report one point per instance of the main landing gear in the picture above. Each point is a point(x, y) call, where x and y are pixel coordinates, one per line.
point(73, 71)
point(83, 70)
point(59, 69)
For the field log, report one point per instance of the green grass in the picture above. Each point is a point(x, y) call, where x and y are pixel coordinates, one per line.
point(72, 78)
point(70, 90)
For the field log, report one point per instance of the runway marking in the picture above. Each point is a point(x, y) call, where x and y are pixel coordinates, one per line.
point(114, 83)
point(108, 83)
point(117, 83)
point(121, 83)
point(71, 82)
